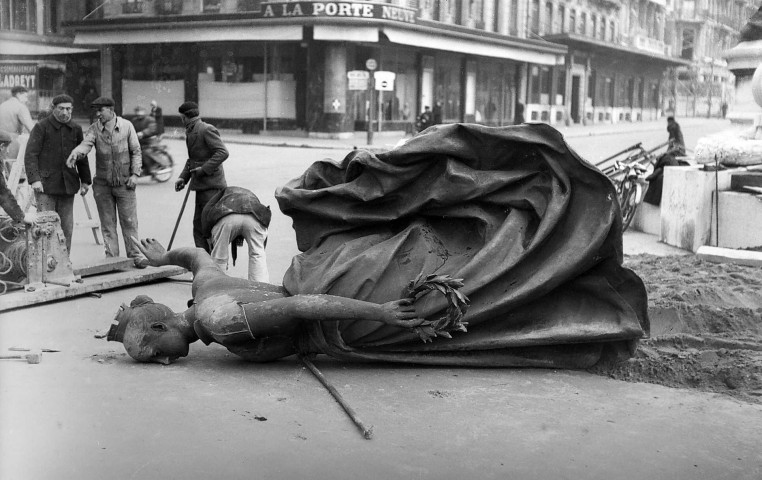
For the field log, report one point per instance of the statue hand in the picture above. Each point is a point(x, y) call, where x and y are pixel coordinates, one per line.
point(153, 251)
point(401, 313)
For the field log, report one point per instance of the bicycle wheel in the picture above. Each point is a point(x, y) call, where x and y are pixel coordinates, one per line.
point(629, 197)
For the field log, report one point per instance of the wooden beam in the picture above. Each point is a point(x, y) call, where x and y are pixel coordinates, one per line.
point(20, 298)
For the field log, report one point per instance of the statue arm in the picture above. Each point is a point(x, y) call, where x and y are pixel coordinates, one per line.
point(281, 316)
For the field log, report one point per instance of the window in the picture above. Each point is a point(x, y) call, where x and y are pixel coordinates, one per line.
point(549, 25)
point(212, 6)
point(688, 38)
point(583, 24)
point(560, 21)
point(18, 15)
point(535, 17)
point(572, 27)
point(132, 6)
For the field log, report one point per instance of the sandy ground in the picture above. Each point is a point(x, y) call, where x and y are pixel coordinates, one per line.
point(706, 327)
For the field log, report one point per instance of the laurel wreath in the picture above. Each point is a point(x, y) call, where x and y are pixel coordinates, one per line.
point(457, 305)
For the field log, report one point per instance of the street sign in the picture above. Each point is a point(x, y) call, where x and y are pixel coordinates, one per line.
point(358, 79)
point(384, 80)
point(371, 64)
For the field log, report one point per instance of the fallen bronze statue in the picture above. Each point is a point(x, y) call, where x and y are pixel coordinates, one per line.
point(531, 230)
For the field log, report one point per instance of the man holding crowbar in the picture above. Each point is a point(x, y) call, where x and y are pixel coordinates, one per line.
point(203, 170)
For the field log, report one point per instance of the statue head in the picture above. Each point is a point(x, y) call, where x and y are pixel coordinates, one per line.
point(150, 332)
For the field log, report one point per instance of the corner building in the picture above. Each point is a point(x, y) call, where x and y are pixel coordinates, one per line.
point(287, 65)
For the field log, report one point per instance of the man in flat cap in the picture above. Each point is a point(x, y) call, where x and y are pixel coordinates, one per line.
point(15, 117)
point(203, 170)
point(54, 183)
point(117, 165)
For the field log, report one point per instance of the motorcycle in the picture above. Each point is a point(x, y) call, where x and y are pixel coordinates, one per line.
point(157, 162)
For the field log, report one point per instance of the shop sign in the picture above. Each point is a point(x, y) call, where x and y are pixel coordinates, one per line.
point(384, 80)
point(358, 80)
point(18, 75)
point(380, 11)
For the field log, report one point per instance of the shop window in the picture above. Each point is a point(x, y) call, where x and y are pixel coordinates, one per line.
point(400, 104)
point(560, 85)
point(491, 89)
point(447, 88)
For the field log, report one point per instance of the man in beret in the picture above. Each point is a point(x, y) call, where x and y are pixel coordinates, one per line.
point(117, 165)
point(15, 117)
point(54, 183)
point(203, 170)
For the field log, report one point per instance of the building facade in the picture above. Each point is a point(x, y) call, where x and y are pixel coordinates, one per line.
point(272, 65)
point(36, 52)
point(305, 65)
point(701, 32)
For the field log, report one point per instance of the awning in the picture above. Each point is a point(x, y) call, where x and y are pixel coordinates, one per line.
point(344, 33)
point(13, 47)
point(189, 34)
point(461, 45)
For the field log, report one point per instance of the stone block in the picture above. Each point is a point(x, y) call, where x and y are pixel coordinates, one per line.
point(686, 205)
point(740, 223)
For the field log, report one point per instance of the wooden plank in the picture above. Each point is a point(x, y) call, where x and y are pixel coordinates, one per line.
point(728, 255)
point(18, 299)
point(104, 265)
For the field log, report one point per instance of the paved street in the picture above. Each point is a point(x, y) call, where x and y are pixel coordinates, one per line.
point(90, 412)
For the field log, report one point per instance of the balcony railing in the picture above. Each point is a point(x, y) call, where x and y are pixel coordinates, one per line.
point(132, 7)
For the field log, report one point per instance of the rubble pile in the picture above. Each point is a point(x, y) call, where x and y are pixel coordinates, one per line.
point(706, 327)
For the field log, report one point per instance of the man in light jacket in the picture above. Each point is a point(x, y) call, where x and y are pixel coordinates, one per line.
point(117, 166)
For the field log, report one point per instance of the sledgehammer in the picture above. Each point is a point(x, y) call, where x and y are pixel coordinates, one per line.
point(33, 358)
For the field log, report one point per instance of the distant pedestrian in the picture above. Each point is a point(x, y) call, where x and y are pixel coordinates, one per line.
point(158, 115)
point(436, 115)
point(518, 117)
point(15, 117)
point(118, 162)
point(203, 170)
point(424, 119)
point(724, 108)
point(53, 182)
point(232, 216)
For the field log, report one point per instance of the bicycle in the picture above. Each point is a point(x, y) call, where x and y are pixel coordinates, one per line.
point(629, 177)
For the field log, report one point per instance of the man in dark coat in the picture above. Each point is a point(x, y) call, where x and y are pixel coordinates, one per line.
point(203, 170)
point(50, 144)
point(233, 215)
point(675, 148)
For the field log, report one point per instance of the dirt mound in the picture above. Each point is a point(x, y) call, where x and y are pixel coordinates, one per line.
point(706, 327)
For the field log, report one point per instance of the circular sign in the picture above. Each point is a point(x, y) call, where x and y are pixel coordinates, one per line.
point(371, 64)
